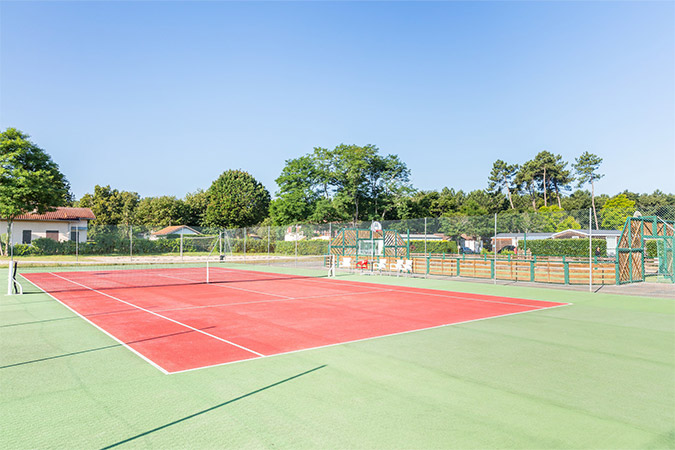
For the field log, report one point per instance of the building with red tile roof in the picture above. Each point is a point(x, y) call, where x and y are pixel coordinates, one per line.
point(61, 224)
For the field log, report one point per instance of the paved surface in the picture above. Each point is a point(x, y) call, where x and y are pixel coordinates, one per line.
point(646, 289)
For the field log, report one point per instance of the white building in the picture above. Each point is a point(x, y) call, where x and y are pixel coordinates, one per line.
point(62, 224)
point(512, 239)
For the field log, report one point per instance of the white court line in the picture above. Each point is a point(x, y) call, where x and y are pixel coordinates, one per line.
point(152, 363)
point(161, 316)
point(372, 338)
point(448, 295)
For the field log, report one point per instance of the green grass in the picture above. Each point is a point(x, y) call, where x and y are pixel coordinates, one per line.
point(597, 374)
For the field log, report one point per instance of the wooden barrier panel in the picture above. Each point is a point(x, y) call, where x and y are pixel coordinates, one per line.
point(544, 270)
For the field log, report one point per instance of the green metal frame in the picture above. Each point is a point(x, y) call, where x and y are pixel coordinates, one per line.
point(344, 244)
point(657, 229)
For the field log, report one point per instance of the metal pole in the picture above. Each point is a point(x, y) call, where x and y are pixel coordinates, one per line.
point(131, 243)
point(425, 236)
point(296, 245)
point(268, 244)
point(181, 244)
point(77, 244)
point(494, 251)
point(11, 258)
point(590, 251)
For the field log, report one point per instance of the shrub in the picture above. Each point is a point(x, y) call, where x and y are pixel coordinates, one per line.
point(563, 247)
point(25, 249)
point(433, 247)
point(307, 247)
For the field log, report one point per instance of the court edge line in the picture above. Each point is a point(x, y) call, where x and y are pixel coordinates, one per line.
point(161, 316)
point(145, 358)
point(371, 338)
point(428, 293)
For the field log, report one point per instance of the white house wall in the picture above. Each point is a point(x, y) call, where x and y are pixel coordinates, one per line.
point(39, 229)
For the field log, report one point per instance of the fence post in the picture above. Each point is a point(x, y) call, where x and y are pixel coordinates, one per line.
point(590, 252)
point(181, 246)
point(533, 261)
point(296, 245)
point(425, 235)
point(131, 243)
point(566, 269)
point(494, 253)
point(245, 243)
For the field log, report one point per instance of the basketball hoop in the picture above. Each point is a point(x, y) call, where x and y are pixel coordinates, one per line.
point(375, 226)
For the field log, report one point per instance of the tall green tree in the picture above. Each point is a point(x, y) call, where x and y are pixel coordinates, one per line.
point(162, 211)
point(236, 199)
point(615, 211)
point(196, 203)
point(299, 185)
point(29, 180)
point(560, 177)
point(111, 206)
point(348, 182)
point(586, 167)
point(526, 181)
point(501, 178)
point(542, 166)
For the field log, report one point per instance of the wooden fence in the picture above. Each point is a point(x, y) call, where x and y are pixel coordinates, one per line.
point(537, 269)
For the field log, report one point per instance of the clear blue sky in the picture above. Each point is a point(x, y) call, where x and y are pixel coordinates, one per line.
point(160, 98)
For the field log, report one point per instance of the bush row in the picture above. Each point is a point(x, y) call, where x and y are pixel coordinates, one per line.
point(563, 247)
point(433, 247)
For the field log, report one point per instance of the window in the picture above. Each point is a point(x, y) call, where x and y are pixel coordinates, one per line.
point(73, 236)
point(26, 238)
point(53, 235)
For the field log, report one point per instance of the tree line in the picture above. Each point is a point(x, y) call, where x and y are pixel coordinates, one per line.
point(348, 183)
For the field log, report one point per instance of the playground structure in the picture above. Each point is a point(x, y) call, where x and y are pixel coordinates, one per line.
point(354, 242)
point(630, 253)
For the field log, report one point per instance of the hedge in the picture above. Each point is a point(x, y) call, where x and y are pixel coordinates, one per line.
point(433, 247)
point(563, 247)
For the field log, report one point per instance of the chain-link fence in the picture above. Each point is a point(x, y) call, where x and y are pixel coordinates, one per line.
point(552, 235)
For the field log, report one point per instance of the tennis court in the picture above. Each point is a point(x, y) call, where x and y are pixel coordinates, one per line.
point(176, 321)
point(284, 357)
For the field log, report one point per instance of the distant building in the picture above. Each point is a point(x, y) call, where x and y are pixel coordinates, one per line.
point(512, 239)
point(62, 224)
point(180, 230)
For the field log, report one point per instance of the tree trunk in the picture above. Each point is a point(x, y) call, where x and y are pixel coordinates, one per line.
point(508, 191)
point(593, 203)
point(545, 200)
point(557, 193)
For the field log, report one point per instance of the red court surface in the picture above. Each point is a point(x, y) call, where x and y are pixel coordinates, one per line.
point(175, 321)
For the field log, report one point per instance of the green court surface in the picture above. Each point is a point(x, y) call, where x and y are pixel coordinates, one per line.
point(599, 373)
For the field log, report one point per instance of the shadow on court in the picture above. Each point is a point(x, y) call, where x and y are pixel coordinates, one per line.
point(117, 311)
point(100, 348)
point(220, 405)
